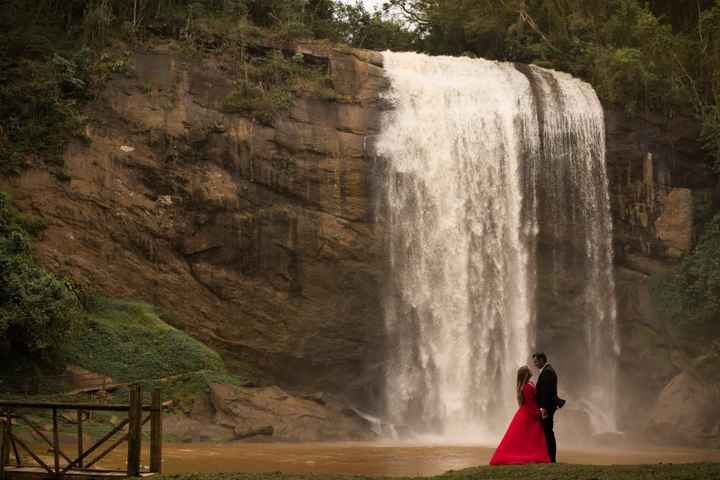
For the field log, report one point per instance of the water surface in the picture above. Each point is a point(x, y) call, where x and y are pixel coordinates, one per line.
point(388, 459)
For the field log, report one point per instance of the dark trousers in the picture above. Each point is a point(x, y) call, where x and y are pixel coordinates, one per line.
point(550, 438)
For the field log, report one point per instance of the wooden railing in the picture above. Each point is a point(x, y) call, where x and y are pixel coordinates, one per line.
point(83, 462)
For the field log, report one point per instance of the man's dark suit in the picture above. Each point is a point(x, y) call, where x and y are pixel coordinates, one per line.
point(546, 393)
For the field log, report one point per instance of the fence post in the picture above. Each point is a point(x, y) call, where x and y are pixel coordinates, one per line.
point(4, 449)
point(134, 431)
point(56, 441)
point(80, 437)
point(156, 432)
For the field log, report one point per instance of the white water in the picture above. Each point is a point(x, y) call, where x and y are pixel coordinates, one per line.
point(466, 144)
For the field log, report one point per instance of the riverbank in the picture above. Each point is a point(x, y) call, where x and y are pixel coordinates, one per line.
point(699, 471)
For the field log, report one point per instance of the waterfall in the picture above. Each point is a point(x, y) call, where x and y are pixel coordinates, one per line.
point(478, 156)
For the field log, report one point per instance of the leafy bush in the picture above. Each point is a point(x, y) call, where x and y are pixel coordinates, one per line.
point(37, 309)
point(40, 96)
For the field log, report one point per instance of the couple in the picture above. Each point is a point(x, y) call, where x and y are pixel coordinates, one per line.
point(530, 437)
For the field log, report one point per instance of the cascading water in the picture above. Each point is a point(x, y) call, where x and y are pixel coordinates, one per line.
point(468, 145)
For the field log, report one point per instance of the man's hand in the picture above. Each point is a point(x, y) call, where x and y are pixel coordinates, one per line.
point(543, 413)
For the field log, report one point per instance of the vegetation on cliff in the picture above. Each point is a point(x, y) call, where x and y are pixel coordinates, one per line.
point(129, 341)
point(37, 309)
point(267, 85)
point(690, 295)
point(648, 56)
point(47, 323)
point(54, 54)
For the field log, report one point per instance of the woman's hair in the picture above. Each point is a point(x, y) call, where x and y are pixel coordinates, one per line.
point(523, 375)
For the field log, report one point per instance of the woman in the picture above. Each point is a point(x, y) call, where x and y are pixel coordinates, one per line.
point(524, 441)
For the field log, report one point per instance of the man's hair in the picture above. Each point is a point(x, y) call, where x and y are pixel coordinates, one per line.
point(540, 356)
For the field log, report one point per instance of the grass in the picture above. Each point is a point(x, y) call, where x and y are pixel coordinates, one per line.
point(697, 471)
point(132, 343)
point(129, 341)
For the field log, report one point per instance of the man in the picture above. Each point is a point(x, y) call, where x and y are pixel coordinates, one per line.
point(546, 392)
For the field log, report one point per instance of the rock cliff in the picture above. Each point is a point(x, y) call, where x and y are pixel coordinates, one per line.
point(260, 239)
point(661, 187)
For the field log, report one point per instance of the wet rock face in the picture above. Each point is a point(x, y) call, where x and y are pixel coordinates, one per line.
point(260, 239)
point(658, 176)
point(646, 364)
point(658, 181)
point(674, 226)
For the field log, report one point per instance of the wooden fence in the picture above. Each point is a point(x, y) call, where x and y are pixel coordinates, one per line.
point(16, 452)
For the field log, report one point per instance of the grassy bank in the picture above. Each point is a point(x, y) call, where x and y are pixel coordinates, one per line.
point(697, 471)
point(127, 342)
point(130, 341)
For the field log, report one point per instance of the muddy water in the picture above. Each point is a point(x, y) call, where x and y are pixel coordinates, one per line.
point(391, 459)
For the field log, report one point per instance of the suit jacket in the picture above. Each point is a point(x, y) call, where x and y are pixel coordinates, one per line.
point(546, 390)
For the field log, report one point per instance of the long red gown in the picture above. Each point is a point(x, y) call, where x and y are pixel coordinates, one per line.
point(524, 441)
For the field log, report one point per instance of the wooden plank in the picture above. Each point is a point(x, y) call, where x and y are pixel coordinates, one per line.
point(134, 431)
point(15, 451)
point(40, 433)
point(4, 448)
point(70, 406)
point(156, 432)
point(36, 473)
point(107, 450)
point(113, 446)
point(97, 444)
point(32, 454)
point(79, 437)
point(56, 441)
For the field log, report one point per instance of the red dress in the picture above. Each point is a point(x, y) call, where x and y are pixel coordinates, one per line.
point(524, 441)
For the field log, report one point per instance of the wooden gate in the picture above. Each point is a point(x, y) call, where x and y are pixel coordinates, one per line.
point(15, 453)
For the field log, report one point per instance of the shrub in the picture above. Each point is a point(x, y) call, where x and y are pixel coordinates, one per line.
point(270, 83)
point(40, 105)
point(37, 308)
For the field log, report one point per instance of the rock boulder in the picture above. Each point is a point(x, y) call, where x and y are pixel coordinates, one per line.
point(271, 413)
point(687, 413)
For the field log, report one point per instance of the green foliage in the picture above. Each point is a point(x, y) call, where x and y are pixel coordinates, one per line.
point(129, 341)
point(690, 296)
point(37, 309)
point(262, 104)
point(39, 106)
point(711, 133)
point(372, 30)
point(270, 83)
point(53, 54)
